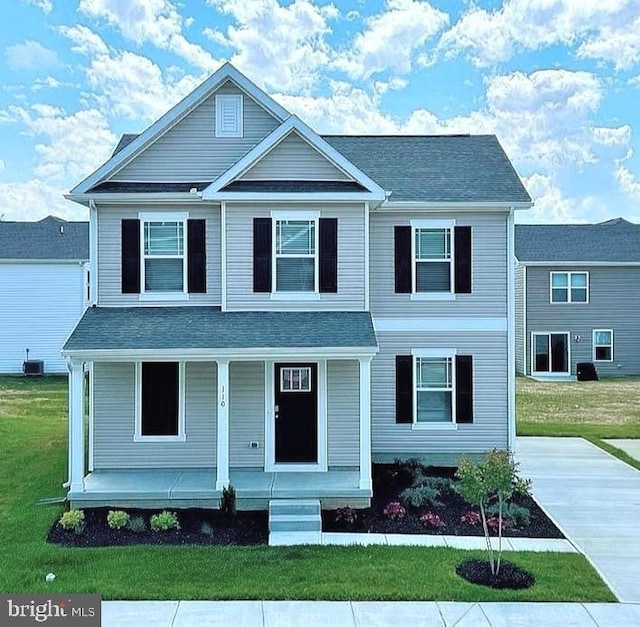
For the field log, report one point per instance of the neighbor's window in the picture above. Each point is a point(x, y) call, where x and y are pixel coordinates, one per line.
point(295, 380)
point(160, 391)
point(603, 345)
point(164, 256)
point(569, 287)
point(434, 389)
point(295, 253)
point(432, 266)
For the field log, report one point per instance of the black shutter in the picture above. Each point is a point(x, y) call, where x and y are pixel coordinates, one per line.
point(130, 256)
point(262, 254)
point(159, 398)
point(402, 241)
point(404, 388)
point(197, 262)
point(328, 255)
point(462, 270)
point(464, 389)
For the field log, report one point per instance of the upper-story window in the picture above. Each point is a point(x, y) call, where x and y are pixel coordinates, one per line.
point(433, 255)
point(295, 256)
point(229, 115)
point(569, 287)
point(164, 256)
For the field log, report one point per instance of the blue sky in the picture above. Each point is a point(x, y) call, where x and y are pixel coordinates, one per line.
point(558, 81)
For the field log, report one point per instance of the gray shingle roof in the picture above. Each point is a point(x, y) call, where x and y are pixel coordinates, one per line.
point(50, 238)
point(614, 241)
point(147, 187)
point(140, 328)
point(294, 186)
point(432, 168)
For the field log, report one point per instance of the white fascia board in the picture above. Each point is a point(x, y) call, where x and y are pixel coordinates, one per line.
point(411, 205)
point(342, 197)
point(174, 115)
point(135, 198)
point(65, 262)
point(441, 325)
point(582, 264)
point(213, 354)
point(314, 140)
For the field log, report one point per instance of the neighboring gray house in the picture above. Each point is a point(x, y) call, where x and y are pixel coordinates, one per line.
point(43, 289)
point(578, 298)
point(274, 309)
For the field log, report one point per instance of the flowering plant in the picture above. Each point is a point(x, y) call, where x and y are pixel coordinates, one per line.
point(346, 515)
point(394, 511)
point(431, 520)
point(471, 518)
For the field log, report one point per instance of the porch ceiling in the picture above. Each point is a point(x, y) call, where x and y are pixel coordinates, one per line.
point(208, 328)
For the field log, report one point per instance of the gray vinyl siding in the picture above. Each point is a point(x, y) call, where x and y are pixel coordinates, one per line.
point(343, 413)
point(489, 268)
point(246, 414)
point(520, 322)
point(351, 270)
point(294, 159)
point(489, 429)
point(114, 421)
point(189, 151)
point(614, 303)
point(110, 257)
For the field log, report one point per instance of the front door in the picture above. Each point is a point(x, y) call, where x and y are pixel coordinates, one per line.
point(296, 413)
point(551, 353)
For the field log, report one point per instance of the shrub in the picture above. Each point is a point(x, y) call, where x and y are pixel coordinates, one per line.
point(164, 521)
point(471, 518)
point(73, 520)
point(394, 511)
point(421, 496)
point(137, 524)
point(228, 501)
point(515, 515)
point(347, 515)
point(207, 529)
point(496, 523)
point(431, 520)
point(118, 519)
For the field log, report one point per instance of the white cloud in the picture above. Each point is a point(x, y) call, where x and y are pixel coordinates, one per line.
point(154, 21)
point(392, 38)
point(35, 199)
point(45, 5)
point(606, 31)
point(279, 47)
point(2, 165)
point(628, 183)
point(30, 55)
point(85, 41)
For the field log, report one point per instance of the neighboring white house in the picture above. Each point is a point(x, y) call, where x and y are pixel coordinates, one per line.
point(43, 289)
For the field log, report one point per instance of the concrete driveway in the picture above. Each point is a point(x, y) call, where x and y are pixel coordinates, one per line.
point(595, 499)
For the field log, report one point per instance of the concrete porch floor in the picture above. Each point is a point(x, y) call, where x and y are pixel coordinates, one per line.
point(196, 487)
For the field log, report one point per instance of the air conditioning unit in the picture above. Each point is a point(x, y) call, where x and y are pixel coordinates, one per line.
point(33, 367)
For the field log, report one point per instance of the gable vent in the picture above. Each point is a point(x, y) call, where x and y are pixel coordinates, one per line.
point(229, 116)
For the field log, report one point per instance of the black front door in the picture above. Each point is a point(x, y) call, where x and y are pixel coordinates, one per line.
point(296, 413)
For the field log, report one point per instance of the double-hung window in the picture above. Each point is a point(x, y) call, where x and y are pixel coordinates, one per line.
point(295, 255)
point(569, 287)
point(433, 259)
point(602, 345)
point(164, 266)
point(434, 385)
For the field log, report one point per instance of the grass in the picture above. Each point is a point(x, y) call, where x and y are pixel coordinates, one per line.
point(33, 436)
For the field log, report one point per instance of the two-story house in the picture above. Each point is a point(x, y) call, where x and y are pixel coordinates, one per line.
point(578, 298)
point(274, 309)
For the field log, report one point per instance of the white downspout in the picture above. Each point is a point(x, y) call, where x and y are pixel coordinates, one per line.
point(93, 252)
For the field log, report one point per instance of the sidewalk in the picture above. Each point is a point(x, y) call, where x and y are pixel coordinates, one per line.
point(363, 614)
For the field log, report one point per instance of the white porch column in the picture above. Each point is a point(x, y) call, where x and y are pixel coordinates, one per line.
point(222, 465)
point(76, 426)
point(365, 424)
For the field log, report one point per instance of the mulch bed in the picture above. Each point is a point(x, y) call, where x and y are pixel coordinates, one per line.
point(390, 479)
point(247, 528)
point(509, 576)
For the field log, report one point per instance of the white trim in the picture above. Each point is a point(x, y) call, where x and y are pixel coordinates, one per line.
point(93, 253)
point(222, 432)
point(299, 368)
point(269, 403)
point(435, 426)
point(433, 224)
point(162, 296)
point(367, 254)
point(223, 253)
point(550, 372)
point(414, 205)
point(434, 352)
point(365, 424)
point(174, 115)
point(294, 215)
point(569, 274)
point(91, 418)
point(446, 225)
point(76, 419)
point(445, 353)
point(295, 296)
point(268, 143)
point(477, 325)
point(433, 295)
point(579, 264)
point(237, 99)
point(138, 198)
point(594, 345)
point(161, 216)
point(511, 333)
point(181, 435)
point(47, 262)
point(524, 318)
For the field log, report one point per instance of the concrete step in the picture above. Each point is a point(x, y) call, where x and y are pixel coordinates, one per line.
point(294, 507)
point(295, 522)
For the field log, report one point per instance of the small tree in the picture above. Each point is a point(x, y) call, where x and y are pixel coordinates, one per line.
point(495, 479)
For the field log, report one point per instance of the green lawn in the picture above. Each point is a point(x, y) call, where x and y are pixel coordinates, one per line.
point(33, 433)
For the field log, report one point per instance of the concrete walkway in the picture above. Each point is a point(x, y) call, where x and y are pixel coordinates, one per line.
point(630, 447)
point(595, 499)
point(361, 614)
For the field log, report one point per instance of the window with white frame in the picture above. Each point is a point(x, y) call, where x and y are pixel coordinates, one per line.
point(432, 259)
point(569, 287)
point(163, 251)
point(295, 379)
point(434, 385)
point(229, 115)
point(603, 345)
point(295, 256)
